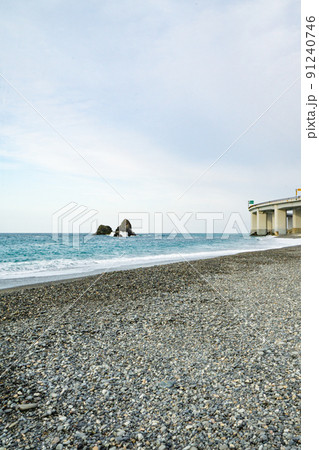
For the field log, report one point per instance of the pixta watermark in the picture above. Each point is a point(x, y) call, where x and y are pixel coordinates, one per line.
point(158, 223)
point(69, 222)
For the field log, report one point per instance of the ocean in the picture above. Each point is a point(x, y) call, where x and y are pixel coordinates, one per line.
point(34, 258)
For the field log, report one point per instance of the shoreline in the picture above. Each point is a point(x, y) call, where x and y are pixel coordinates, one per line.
point(97, 274)
point(179, 356)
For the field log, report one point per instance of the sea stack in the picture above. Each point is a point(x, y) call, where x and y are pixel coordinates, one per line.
point(104, 229)
point(125, 227)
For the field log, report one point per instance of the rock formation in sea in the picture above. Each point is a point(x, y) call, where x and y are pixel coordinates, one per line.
point(104, 229)
point(125, 227)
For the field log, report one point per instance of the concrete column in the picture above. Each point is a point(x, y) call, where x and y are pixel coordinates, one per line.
point(280, 221)
point(296, 220)
point(261, 223)
point(253, 223)
point(269, 222)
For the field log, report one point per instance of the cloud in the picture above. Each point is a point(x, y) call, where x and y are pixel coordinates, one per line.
point(151, 95)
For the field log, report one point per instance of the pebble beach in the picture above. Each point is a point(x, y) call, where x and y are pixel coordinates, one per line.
point(192, 355)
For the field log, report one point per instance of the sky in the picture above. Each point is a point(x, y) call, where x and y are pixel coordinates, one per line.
point(122, 106)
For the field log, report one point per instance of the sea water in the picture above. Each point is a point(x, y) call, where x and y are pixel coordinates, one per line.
point(34, 258)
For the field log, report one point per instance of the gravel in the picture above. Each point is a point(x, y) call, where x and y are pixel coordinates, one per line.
point(183, 356)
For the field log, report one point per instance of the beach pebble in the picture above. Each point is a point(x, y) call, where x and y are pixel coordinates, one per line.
point(176, 356)
point(27, 406)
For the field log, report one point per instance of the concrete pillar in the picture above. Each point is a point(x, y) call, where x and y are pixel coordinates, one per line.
point(269, 222)
point(280, 221)
point(261, 223)
point(253, 223)
point(296, 220)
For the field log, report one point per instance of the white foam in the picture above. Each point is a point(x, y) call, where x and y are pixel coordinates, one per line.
point(63, 268)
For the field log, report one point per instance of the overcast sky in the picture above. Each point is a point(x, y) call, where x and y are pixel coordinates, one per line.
point(121, 105)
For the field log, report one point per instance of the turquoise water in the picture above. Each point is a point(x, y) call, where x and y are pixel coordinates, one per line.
point(32, 258)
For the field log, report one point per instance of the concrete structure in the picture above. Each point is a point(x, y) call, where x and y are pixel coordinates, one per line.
point(276, 217)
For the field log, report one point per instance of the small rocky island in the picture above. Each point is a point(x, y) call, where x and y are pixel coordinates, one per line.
point(124, 229)
point(104, 229)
